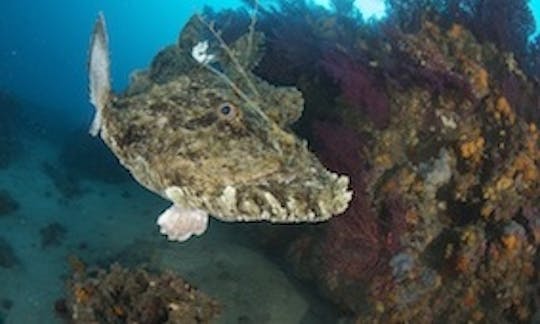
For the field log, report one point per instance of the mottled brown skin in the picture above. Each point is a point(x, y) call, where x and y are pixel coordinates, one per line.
point(238, 165)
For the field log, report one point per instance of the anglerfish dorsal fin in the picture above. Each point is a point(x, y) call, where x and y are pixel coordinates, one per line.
point(193, 32)
point(249, 49)
point(99, 72)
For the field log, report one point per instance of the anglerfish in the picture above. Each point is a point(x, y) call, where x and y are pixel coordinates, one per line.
point(201, 130)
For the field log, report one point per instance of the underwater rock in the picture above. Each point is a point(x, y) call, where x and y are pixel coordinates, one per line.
point(485, 173)
point(7, 203)
point(514, 20)
point(120, 295)
point(8, 258)
point(52, 235)
point(462, 170)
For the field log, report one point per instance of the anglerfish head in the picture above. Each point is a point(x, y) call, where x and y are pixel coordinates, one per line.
point(201, 130)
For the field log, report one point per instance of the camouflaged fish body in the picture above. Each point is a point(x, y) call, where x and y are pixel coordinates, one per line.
point(196, 141)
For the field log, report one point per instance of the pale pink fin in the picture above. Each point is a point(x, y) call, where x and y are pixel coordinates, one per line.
point(179, 223)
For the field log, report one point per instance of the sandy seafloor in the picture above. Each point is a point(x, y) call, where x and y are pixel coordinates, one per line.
point(116, 222)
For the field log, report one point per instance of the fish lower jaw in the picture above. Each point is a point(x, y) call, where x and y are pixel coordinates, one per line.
point(229, 207)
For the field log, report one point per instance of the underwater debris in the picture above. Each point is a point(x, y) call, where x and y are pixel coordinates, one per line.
point(7, 204)
point(120, 295)
point(229, 153)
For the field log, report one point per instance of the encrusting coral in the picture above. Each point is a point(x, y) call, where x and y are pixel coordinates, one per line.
point(120, 295)
point(463, 166)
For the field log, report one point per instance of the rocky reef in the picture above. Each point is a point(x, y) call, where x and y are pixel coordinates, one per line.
point(120, 295)
point(447, 216)
point(433, 113)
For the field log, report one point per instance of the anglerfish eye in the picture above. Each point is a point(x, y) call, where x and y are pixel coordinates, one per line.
point(227, 111)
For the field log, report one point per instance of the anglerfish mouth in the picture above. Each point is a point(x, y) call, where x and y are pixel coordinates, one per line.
point(310, 201)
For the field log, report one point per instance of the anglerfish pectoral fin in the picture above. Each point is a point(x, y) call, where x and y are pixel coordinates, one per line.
point(180, 223)
point(99, 72)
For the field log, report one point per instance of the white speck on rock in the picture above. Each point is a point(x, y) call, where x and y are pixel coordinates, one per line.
point(200, 53)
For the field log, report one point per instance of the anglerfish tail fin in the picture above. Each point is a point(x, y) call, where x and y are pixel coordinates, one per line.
point(99, 72)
